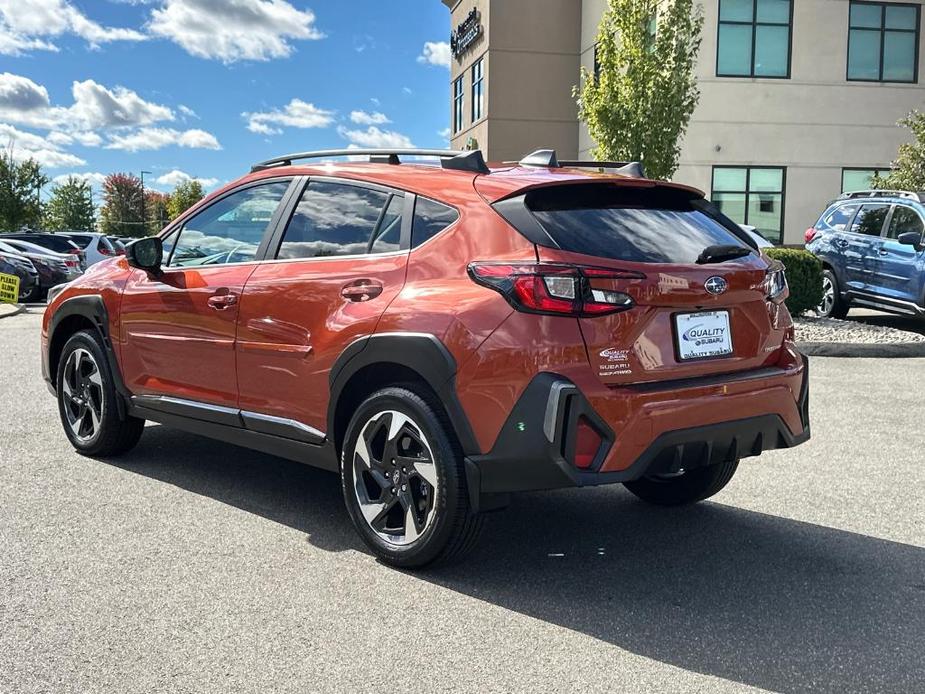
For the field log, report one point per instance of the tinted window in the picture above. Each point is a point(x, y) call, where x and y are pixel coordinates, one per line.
point(332, 219)
point(388, 234)
point(105, 246)
point(836, 218)
point(62, 244)
point(754, 38)
point(82, 241)
point(904, 220)
point(430, 218)
point(230, 230)
point(646, 226)
point(869, 219)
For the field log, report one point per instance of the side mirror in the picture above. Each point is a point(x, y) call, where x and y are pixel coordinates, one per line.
point(146, 254)
point(910, 238)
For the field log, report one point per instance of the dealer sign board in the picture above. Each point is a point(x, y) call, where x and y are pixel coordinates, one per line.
point(466, 33)
point(9, 289)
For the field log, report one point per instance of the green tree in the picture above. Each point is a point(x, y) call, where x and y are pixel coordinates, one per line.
point(156, 215)
point(639, 100)
point(184, 196)
point(122, 209)
point(20, 185)
point(909, 167)
point(71, 206)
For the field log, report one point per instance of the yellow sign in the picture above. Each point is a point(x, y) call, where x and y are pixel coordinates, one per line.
point(9, 288)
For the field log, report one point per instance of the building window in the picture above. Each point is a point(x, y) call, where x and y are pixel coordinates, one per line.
point(752, 195)
point(478, 89)
point(860, 179)
point(883, 42)
point(458, 105)
point(754, 38)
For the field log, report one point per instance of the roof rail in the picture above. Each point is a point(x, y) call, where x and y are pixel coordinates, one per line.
point(449, 159)
point(547, 158)
point(905, 194)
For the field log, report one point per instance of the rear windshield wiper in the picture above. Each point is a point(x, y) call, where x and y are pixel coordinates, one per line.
point(717, 254)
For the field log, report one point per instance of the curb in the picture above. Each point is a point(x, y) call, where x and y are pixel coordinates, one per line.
point(854, 349)
point(7, 310)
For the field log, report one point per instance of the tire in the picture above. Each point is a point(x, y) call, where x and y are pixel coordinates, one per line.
point(402, 425)
point(87, 400)
point(34, 295)
point(833, 305)
point(687, 488)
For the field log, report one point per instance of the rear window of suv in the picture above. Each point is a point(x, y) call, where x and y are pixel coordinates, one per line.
point(656, 225)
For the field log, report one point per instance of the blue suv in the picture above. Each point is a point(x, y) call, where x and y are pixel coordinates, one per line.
point(871, 246)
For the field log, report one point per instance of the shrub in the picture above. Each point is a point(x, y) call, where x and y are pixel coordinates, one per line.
point(804, 276)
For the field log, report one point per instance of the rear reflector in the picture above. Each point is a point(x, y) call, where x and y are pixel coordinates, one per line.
point(555, 289)
point(587, 444)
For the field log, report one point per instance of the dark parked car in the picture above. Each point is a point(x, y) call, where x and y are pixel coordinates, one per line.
point(871, 246)
point(53, 268)
point(53, 242)
point(19, 265)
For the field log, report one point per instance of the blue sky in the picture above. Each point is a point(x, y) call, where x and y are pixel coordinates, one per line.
point(204, 88)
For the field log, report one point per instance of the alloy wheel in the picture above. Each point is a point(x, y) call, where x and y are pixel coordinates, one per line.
point(395, 477)
point(82, 394)
point(828, 296)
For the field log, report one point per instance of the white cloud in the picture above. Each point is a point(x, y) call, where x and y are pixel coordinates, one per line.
point(231, 31)
point(94, 178)
point(25, 25)
point(173, 178)
point(187, 111)
point(296, 114)
point(374, 137)
point(435, 53)
point(444, 134)
point(95, 106)
point(407, 90)
point(26, 145)
point(158, 138)
point(366, 118)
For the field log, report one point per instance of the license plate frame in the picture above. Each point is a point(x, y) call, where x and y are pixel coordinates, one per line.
point(690, 348)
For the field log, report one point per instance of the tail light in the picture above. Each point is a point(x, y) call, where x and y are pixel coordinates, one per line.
point(105, 251)
point(775, 283)
point(71, 262)
point(809, 234)
point(75, 251)
point(556, 289)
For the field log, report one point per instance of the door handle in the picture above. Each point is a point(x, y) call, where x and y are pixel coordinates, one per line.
point(884, 252)
point(222, 301)
point(361, 290)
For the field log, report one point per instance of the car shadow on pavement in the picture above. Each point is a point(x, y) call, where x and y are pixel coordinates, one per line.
point(750, 597)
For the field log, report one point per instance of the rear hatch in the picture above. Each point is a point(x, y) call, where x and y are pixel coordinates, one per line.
point(692, 314)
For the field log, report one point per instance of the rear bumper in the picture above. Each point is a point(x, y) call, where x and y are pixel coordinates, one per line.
point(669, 427)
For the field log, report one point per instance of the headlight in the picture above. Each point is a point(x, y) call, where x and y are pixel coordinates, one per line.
point(775, 283)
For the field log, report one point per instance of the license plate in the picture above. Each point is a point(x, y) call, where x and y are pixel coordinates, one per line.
point(703, 335)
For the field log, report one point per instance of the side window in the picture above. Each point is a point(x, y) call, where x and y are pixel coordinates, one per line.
point(870, 219)
point(836, 218)
point(430, 218)
point(332, 219)
point(229, 231)
point(904, 220)
point(388, 234)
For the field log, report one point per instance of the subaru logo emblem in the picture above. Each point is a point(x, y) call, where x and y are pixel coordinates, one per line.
point(715, 285)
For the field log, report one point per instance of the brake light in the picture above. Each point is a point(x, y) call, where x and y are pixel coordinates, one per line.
point(105, 251)
point(71, 262)
point(809, 234)
point(587, 444)
point(775, 283)
point(74, 251)
point(555, 289)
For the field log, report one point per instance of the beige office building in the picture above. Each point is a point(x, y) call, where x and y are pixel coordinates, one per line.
point(799, 98)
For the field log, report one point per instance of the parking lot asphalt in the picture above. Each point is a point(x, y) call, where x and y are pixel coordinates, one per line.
point(194, 566)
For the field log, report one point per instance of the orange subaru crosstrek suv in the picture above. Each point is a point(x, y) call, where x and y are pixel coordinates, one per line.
point(441, 336)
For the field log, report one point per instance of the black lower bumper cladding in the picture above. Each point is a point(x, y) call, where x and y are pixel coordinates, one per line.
point(533, 451)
